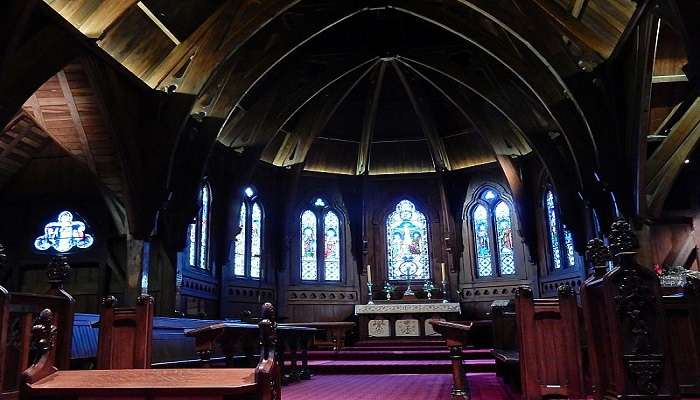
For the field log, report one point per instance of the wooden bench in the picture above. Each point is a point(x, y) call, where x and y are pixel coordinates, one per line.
point(44, 381)
point(551, 363)
point(17, 312)
point(457, 336)
point(682, 316)
point(505, 341)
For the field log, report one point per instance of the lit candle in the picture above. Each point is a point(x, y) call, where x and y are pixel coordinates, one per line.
point(443, 271)
point(369, 274)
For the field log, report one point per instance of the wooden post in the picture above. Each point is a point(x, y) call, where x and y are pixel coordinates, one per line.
point(134, 262)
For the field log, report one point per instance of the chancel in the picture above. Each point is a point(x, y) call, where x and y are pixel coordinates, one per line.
point(310, 199)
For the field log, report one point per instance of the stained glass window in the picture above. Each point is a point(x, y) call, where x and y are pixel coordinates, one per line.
point(204, 229)
point(407, 243)
point(239, 246)
point(309, 269)
point(255, 241)
point(481, 242)
point(560, 239)
point(492, 230)
point(64, 234)
point(321, 243)
point(331, 253)
point(504, 234)
point(248, 244)
point(198, 232)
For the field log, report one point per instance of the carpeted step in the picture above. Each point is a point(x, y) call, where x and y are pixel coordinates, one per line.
point(442, 354)
point(399, 342)
point(348, 367)
point(395, 348)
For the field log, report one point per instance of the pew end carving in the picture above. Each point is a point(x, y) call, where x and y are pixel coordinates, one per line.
point(625, 326)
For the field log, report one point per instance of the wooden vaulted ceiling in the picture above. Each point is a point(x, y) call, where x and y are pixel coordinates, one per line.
point(371, 86)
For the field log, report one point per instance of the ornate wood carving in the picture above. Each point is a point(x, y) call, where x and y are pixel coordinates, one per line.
point(625, 325)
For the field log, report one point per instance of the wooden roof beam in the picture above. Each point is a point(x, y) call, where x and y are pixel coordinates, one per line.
point(104, 17)
point(663, 166)
point(77, 123)
point(158, 22)
point(369, 122)
point(437, 146)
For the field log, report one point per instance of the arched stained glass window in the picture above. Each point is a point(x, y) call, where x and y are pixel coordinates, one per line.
point(492, 233)
point(504, 234)
point(239, 246)
point(407, 243)
point(255, 241)
point(198, 232)
point(249, 239)
point(321, 243)
point(481, 242)
point(331, 254)
point(309, 269)
point(563, 254)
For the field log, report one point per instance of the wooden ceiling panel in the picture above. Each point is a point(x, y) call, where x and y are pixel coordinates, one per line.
point(332, 156)
point(400, 158)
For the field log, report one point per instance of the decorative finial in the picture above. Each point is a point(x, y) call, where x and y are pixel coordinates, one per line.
point(109, 302)
point(565, 291)
point(144, 299)
point(58, 271)
point(597, 252)
point(525, 291)
point(44, 331)
point(622, 238)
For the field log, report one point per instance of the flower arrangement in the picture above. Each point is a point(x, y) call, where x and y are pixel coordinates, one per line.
point(428, 287)
point(388, 289)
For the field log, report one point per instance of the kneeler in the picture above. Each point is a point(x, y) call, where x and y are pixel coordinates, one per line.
point(457, 336)
point(42, 381)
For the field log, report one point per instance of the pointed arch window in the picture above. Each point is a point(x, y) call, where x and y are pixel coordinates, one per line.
point(407, 250)
point(320, 240)
point(198, 232)
point(561, 242)
point(491, 219)
point(248, 242)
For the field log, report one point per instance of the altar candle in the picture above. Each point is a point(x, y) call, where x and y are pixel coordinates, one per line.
point(443, 271)
point(369, 274)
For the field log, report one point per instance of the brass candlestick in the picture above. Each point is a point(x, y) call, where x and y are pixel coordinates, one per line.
point(369, 293)
point(444, 291)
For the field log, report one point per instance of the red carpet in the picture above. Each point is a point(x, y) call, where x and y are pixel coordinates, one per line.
point(484, 386)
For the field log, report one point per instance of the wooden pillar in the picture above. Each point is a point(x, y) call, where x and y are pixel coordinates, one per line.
point(134, 263)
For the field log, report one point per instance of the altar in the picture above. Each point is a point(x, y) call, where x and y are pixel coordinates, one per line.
point(397, 318)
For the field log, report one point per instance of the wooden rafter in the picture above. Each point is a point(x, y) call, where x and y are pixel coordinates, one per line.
point(104, 16)
point(77, 122)
point(369, 121)
point(437, 147)
point(665, 163)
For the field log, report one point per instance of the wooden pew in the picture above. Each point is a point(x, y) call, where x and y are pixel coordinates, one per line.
point(457, 336)
point(43, 381)
point(550, 352)
point(17, 311)
point(625, 325)
point(682, 316)
point(125, 334)
point(505, 341)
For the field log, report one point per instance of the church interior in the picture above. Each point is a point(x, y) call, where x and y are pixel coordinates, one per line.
point(356, 199)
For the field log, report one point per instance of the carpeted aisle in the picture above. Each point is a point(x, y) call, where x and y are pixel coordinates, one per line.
point(484, 386)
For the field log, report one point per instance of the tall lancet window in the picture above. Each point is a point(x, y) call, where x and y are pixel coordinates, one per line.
point(247, 246)
point(198, 232)
point(320, 240)
point(407, 250)
point(491, 219)
point(561, 242)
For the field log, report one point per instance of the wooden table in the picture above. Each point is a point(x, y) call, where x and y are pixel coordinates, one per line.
point(457, 336)
point(336, 332)
point(233, 336)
